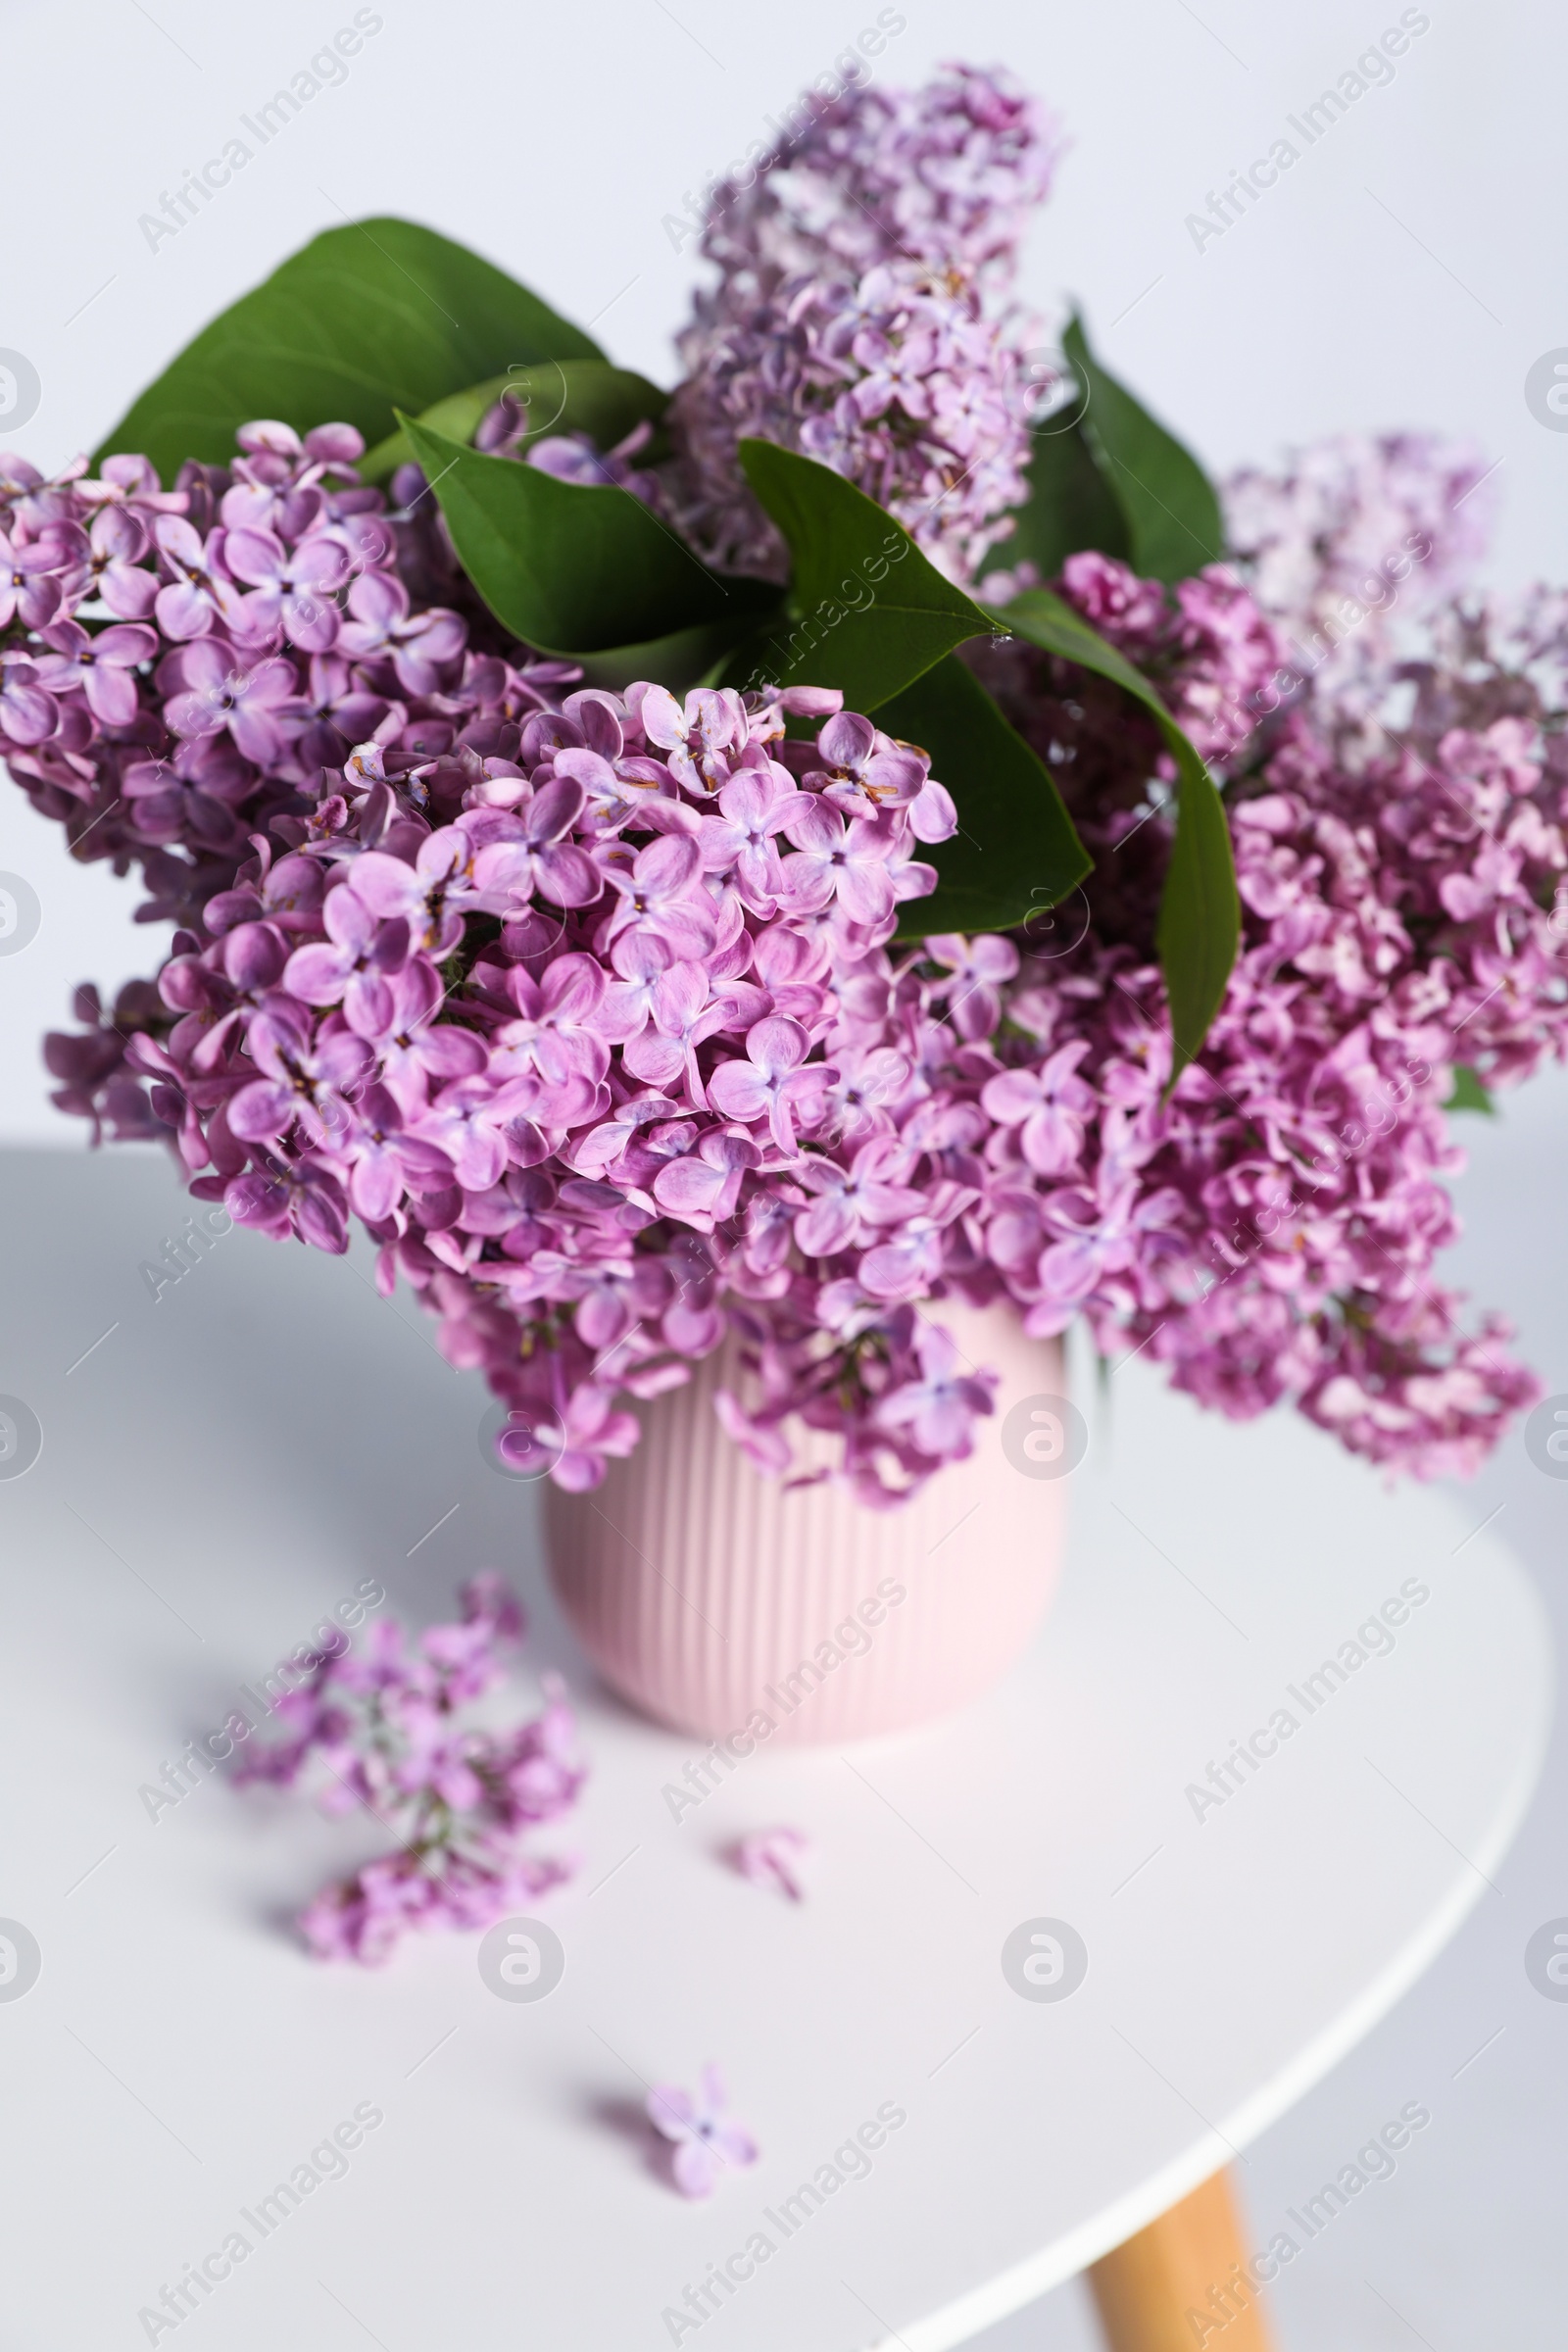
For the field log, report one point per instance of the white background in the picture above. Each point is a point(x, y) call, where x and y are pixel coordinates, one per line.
point(1406, 272)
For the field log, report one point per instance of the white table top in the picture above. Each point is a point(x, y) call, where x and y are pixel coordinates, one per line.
point(224, 1465)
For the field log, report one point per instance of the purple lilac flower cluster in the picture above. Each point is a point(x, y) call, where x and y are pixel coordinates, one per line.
point(1404, 911)
point(848, 321)
point(666, 1066)
point(947, 175)
point(1357, 536)
point(382, 1725)
point(248, 610)
point(896, 380)
point(262, 619)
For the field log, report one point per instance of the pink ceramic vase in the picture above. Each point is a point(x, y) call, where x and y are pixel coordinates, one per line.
point(711, 1596)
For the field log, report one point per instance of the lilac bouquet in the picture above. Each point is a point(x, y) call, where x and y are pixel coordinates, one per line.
point(874, 824)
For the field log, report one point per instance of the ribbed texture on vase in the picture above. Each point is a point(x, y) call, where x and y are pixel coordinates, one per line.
point(707, 1594)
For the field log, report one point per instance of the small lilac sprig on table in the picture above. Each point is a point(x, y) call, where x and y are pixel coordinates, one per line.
point(705, 2142)
point(382, 1723)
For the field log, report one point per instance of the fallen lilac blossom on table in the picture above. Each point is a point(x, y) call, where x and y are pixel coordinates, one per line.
point(705, 2142)
point(772, 1858)
point(457, 1800)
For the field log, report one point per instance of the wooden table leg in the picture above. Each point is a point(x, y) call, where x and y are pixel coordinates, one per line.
point(1183, 2285)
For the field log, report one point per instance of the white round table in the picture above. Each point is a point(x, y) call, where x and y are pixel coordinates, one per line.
point(224, 1464)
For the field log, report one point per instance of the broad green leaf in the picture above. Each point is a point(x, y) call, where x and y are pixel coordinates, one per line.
point(868, 613)
point(1468, 1091)
point(564, 396)
point(1015, 852)
point(379, 316)
point(1171, 511)
point(569, 567)
point(1199, 915)
point(872, 616)
point(686, 658)
point(1071, 504)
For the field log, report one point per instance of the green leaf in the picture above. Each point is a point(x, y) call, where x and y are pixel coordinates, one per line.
point(1171, 509)
point(1015, 852)
point(567, 396)
point(870, 615)
point(1199, 915)
point(379, 316)
point(867, 612)
point(1072, 505)
point(685, 659)
point(569, 567)
point(1468, 1091)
